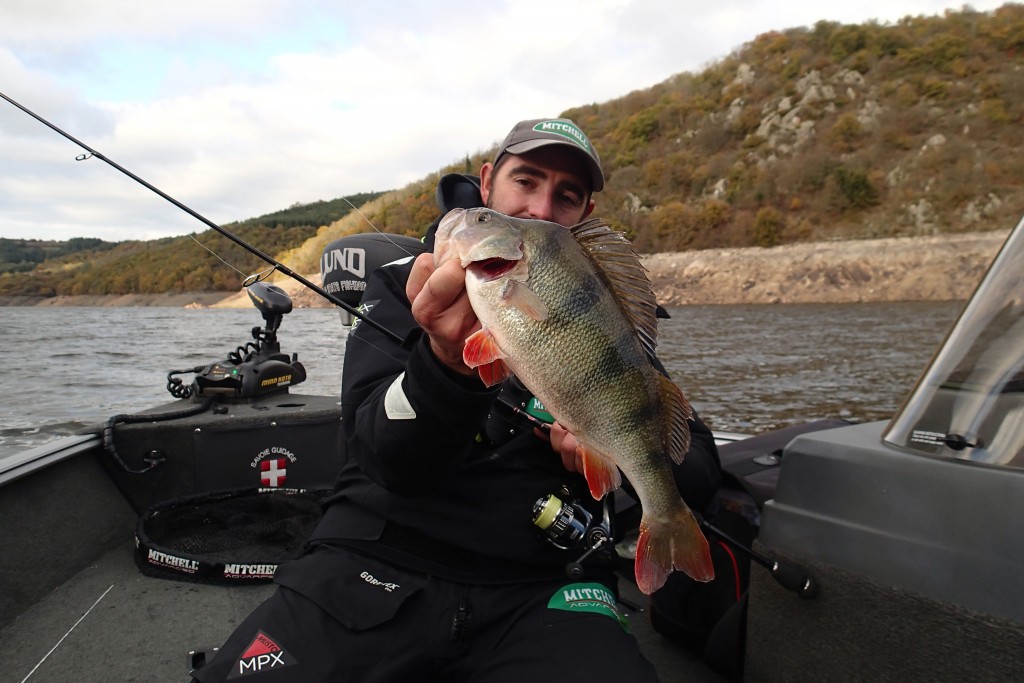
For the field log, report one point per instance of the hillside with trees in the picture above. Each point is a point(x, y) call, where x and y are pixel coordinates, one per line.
point(827, 132)
point(817, 133)
point(20, 255)
point(169, 265)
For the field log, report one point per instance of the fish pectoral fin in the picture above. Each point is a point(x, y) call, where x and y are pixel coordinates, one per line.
point(673, 543)
point(525, 299)
point(483, 353)
point(601, 472)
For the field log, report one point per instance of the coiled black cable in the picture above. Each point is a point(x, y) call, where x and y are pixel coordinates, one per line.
point(244, 353)
point(176, 387)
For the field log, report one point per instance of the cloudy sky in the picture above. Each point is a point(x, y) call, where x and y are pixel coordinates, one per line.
point(242, 107)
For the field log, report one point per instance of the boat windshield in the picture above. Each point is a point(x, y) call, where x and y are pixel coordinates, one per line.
point(969, 403)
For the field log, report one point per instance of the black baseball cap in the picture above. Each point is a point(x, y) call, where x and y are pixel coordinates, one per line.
point(529, 135)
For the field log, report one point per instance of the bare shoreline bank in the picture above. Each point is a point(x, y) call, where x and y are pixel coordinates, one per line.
point(938, 268)
point(182, 300)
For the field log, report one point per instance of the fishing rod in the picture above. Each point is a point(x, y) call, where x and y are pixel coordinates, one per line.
point(223, 231)
point(790, 576)
point(793, 578)
point(504, 403)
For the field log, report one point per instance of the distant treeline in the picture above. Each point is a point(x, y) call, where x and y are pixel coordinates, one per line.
point(826, 132)
point(169, 265)
point(20, 255)
point(316, 214)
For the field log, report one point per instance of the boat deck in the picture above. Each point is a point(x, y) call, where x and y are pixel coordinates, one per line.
point(112, 623)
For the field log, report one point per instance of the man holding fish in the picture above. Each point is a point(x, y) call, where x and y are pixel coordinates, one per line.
point(526, 383)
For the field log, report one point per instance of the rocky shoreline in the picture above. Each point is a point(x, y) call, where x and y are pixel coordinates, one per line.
point(182, 300)
point(937, 268)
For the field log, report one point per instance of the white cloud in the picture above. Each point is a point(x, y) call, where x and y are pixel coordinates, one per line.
point(239, 108)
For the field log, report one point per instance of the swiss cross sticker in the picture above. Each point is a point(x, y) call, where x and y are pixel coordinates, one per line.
point(273, 471)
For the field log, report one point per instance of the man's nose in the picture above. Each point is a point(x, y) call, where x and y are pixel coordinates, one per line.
point(542, 207)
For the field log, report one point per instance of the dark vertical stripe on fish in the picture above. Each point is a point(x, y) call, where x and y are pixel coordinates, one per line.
point(583, 297)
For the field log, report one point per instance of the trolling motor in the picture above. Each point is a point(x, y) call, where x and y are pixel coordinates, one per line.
point(256, 369)
point(259, 367)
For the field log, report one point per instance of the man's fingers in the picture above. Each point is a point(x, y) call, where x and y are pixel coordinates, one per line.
point(441, 307)
point(565, 444)
point(421, 271)
point(442, 288)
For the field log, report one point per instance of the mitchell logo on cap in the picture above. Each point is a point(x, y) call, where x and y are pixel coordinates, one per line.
point(532, 134)
point(566, 130)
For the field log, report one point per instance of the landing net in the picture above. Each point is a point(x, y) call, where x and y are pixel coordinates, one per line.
point(229, 537)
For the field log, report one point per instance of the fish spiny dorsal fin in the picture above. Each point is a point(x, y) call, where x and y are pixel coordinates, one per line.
point(678, 411)
point(613, 256)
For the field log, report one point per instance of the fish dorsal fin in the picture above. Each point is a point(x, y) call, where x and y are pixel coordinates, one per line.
point(677, 412)
point(614, 258)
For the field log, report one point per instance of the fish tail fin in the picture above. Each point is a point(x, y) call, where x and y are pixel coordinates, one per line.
point(673, 543)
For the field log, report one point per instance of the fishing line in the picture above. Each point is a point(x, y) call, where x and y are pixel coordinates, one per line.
point(62, 639)
point(217, 256)
point(790, 577)
point(256, 277)
point(231, 236)
point(319, 178)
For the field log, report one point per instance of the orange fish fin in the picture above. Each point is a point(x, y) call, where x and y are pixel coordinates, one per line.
point(522, 297)
point(481, 347)
point(493, 373)
point(678, 411)
point(483, 353)
point(601, 473)
point(675, 543)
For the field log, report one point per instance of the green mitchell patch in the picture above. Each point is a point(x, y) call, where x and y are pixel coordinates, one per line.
point(536, 408)
point(566, 130)
point(587, 597)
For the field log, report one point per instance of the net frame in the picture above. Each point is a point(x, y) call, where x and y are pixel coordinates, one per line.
point(235, 537)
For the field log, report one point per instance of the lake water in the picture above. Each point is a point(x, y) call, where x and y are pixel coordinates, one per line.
point(744, 368)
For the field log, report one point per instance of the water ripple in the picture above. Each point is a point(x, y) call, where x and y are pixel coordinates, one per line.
point(745, 368)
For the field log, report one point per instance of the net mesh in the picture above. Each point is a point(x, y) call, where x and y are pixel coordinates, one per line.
point(255, 527)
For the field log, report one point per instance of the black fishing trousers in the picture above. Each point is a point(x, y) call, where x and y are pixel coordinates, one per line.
point(342, 617)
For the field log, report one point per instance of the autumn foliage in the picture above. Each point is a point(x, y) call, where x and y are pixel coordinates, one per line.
point(824, 132)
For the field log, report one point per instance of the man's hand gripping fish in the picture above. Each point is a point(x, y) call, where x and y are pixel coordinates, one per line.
point(572, 314)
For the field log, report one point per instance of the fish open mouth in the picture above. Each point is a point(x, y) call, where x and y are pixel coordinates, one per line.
point(491, 268)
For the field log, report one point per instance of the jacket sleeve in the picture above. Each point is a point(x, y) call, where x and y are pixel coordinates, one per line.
point(407, 420)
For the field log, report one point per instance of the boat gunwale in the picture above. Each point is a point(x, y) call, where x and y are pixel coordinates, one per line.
point(26, 462)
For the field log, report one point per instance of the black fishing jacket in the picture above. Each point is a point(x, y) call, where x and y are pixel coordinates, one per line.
point(435, 476)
